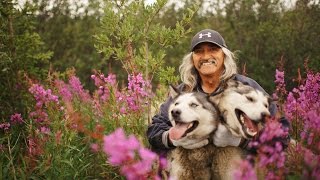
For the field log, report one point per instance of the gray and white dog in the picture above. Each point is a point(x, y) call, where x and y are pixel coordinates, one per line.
point(196, 116)
point(242, 107)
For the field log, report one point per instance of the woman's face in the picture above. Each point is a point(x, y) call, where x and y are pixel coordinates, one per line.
point(208, 59)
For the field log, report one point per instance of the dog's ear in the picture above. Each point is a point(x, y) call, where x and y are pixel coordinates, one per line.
point(174, 92)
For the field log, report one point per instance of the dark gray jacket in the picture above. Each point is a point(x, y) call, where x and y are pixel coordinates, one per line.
point(157, 132)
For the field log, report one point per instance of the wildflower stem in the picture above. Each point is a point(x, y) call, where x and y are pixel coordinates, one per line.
point(11, 160)
point(297, 123)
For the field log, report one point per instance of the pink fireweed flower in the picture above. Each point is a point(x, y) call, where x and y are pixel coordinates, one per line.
point(275, 96)
point(16, 118)
point(136, 162)
point(138, 92)
point(272, 176)
point(270, 151)
point(135, 171)
point(104, 94)
point(94, 147)
point(39, 115)
point(245, 171)
point(279, 80)
point(163, 164)
point(271, 155)
point(105, 85)
point(313, 117)
point(33, 146)
point(5, 126)
point(97, 81)
point(120, 148)
point(111, 79)
point(147, 157)
point(309, 157)
point(101, 80)
point(291, 106)
point(45, 130)
point(138, 85)
point(132, 104)
point(120, 97)
point(311, 163)
point(303, 103)
point(42, 96)
point(305, 98)
point(123, 110)
point(273, 129)
point(310, 138)
point(97, 108)
point(140, 169)
point(64, 90)
point(279, 77)
point(77, 88)
point(122, 102)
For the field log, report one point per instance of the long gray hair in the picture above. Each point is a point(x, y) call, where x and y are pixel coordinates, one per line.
point(189, 74)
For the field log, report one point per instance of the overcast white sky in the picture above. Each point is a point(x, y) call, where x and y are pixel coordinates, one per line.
point(288, 3)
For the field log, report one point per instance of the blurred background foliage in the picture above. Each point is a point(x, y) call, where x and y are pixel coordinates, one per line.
point(41, 36)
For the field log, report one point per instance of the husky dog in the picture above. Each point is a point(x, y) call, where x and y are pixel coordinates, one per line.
point(243, 110)
point(242, 107)
point(195, 117)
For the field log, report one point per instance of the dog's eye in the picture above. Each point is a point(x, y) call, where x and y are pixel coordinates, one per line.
point(266, 105)
point(176, 104)
point(194, 105)
point(249, 98)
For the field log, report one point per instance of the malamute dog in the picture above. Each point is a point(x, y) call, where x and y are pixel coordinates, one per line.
point(193, 117)
point(242, 107)
point(196, 116)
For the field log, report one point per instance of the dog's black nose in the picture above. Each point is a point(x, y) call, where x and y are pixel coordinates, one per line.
point(175, 113)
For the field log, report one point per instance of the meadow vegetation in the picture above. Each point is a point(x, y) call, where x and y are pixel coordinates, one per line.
point(78, 88)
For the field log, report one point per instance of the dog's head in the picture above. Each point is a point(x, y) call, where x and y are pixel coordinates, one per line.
point(243, 108)
point(192, 115)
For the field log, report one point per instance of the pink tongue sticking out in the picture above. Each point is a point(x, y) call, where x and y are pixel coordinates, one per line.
point(178, 130)
point(250, 125)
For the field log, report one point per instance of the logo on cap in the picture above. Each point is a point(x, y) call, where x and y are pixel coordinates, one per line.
point(201, 35)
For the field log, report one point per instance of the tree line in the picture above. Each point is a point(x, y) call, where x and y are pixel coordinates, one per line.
point(43, 37)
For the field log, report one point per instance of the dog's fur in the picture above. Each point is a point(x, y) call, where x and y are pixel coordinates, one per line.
point(211, 162)
point(197, 109)
point(243, 108)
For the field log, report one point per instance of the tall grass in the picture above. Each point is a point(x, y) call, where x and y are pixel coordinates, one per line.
point(62, 135)
point(70, 133)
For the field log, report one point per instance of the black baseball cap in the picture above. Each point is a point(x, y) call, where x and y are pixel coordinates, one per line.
point(207, 35)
